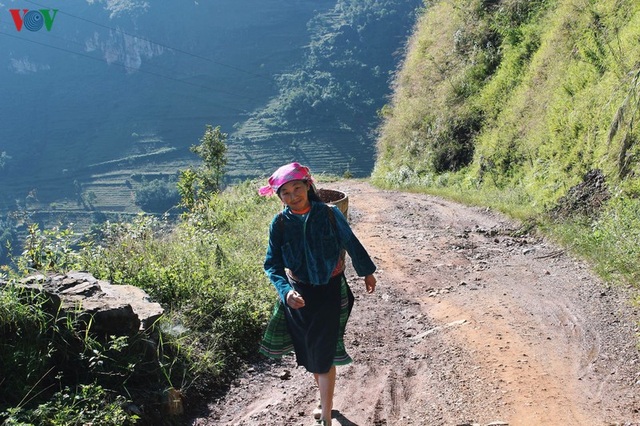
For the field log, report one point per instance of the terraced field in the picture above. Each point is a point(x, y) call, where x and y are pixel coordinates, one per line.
point(256, 148)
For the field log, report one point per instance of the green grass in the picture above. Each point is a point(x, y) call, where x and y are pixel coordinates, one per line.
point(610, 242)
point(40, 352)
point(206, 271)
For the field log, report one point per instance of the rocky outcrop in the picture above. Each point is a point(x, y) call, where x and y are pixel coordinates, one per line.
point(101, 306)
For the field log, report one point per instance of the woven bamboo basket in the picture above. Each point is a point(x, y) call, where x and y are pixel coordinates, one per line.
point(337, 198)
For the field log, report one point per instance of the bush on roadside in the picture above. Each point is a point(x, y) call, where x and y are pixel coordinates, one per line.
point(206, 271)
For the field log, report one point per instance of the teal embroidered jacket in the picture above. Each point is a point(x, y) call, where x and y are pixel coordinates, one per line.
point(310, 246)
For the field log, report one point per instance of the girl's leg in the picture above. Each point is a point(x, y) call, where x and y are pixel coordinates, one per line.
point(326, 384)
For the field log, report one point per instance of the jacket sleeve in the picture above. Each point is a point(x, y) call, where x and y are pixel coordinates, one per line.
point(360, 259)
point(274, 264)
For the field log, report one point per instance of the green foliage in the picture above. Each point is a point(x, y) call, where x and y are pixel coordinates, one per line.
point(49, 249)
point(212, 150)
point(508, 103)
point(87, 404)
point(453, 147)
point(201, 183)
point(24, 349)
point(610, 242)
point(549, 89)
point(188, 188)
point(157, 195)
point(7, 238)
point(207, 271)
point(624, 122)
point(447, 96)
point(47, 353)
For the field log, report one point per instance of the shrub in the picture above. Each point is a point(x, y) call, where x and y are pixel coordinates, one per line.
point(56, 368)
point(86, 404)
point(205, 270)
point(158, 195)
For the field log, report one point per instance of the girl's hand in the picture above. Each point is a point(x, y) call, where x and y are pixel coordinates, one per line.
point(370, 283)
point(295, 300)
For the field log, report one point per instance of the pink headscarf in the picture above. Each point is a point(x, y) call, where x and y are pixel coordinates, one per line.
point(286, 173)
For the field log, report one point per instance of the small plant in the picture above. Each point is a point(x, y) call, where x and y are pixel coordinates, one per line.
point(201, 183)
point(49, 249)
point(86, 404)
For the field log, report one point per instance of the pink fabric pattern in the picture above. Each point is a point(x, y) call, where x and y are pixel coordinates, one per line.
point(286, 173)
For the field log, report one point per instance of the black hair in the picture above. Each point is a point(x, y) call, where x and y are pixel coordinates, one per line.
point(312, 194)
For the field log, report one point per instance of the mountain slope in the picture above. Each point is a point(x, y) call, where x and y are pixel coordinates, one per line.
point(117, 90)
point(524, 96)
point(326, 110)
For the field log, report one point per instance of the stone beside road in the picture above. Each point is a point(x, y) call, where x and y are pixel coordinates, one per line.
point(110, 309)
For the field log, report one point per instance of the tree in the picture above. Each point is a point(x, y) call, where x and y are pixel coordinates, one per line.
point(195, 184)
point(158, 195)
point(212, 150)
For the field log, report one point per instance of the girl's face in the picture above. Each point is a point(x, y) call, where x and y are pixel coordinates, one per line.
point(294, 194)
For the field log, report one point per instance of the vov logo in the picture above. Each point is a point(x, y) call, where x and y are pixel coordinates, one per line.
point(33, 20)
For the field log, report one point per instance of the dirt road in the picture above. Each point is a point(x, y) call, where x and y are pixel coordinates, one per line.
point(469, 325)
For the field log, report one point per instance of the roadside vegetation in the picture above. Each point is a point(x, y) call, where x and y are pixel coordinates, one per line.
point(206, 271)
point(511, 104)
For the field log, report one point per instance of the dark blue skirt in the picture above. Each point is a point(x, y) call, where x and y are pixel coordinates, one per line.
point(317, 330)
point(318, 341)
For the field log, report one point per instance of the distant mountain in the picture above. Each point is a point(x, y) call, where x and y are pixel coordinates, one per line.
point(326, 112)
point(106, 96)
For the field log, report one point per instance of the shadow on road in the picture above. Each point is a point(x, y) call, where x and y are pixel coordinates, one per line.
point(342, 419)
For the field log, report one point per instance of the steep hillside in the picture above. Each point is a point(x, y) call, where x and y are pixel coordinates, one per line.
point(116, 88)
point(520, 96)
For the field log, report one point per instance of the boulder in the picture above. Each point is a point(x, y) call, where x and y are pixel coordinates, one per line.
point(103, 307)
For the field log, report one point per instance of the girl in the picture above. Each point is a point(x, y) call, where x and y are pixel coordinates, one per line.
point(305, 264)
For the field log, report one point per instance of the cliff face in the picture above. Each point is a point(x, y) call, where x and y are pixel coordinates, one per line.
point(524, 96)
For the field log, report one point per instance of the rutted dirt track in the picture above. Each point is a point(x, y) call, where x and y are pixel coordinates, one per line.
point(468, 325)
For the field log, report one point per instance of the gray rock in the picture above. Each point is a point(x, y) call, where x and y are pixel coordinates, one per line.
point(113, 309)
